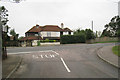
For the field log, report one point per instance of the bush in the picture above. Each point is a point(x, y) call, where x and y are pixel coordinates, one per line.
point(68, 39)
point(89, 34)
point(38, 43)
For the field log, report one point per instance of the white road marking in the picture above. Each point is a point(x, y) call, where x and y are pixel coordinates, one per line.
point(33, 56)
point(46, 51)
point(41, 56)
point(52, 56)
point(55, 52)
point(46, 56)
point(30, 52)
point(65, 65)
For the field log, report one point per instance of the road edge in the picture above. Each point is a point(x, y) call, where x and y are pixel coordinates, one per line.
point(117, 66)
point(15, 69)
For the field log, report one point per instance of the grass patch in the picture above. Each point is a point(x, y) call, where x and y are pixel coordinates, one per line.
point(116, 50)
point(107, 42)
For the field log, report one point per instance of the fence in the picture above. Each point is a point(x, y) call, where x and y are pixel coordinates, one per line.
point(102, 39)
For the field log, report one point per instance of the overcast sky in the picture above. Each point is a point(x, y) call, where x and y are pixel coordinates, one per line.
point(73, 13)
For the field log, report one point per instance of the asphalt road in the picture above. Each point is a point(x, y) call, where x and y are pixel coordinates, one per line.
point(63, 61)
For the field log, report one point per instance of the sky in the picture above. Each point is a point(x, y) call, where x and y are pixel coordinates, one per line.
point(74, 14)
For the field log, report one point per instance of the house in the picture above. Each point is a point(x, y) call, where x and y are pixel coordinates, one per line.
point(51, 32)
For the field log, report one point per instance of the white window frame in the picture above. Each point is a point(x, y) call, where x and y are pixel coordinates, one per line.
point(48, 34)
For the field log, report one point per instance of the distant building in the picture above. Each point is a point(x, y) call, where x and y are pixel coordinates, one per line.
point(119, 8)
point(51, 32)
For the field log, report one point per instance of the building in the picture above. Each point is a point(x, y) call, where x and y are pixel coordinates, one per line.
point(51, 32)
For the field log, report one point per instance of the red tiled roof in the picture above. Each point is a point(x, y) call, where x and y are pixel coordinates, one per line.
point(35, 29)
point(67, 29)
point(31, 38)
point(48, 28)
point(51, 28)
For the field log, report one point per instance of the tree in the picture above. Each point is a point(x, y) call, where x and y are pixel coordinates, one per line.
point(89, 34)
point(3, 15)
point(14, 34)
point(3, 25)
point(112, 29)
point(21, 37)
point(14, 1)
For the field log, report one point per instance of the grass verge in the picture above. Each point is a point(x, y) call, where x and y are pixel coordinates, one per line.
point(107, 42)
point(116, 50)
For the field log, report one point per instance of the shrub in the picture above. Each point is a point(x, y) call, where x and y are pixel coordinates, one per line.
point(68, 39)
point(38, 43)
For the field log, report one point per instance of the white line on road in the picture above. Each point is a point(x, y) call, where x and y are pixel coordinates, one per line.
point(41, 56)
point(52, 56)
point(65, 65)
point(55, 52)
point(33, 56)
point(30, 52)
point(46, 56)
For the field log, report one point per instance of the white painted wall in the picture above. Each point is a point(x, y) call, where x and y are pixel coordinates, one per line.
point(52, 43)
point(34, 42)
point(53, 34)
point(71, 33)
point(65, 33)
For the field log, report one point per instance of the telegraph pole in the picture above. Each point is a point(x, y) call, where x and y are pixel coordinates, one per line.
point(92, 25)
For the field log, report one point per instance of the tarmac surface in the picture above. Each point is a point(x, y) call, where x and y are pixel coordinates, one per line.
point(107, 55)
point(63, 61)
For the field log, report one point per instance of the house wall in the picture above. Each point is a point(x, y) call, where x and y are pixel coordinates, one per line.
point(65, 33)
point(31, 34)
point(71, 33)
point(52, 34)
point(34, 42)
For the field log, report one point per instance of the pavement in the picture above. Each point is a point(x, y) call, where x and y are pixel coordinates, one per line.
point(106, 54)
point(10, 65)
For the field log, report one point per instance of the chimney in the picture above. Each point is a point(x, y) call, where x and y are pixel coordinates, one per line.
point(62, 25)
point(37, 26)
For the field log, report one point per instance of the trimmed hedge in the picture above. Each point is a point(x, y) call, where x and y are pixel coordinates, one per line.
point(47, 41)
point(69, 39)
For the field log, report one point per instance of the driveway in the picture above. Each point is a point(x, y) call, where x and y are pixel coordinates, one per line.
point(63, 61)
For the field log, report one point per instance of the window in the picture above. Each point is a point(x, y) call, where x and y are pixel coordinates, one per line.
point(36, 34)
point(48, 34)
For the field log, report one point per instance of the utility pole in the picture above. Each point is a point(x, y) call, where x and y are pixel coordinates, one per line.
point(92, 25)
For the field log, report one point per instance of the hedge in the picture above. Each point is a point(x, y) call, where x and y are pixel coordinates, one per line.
point(47, 41)
point(69, 39)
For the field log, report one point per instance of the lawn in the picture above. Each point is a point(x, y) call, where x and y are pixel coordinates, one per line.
point(116, 50)
point(107, 42)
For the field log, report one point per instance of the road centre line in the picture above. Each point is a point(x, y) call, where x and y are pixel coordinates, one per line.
point(65, 64)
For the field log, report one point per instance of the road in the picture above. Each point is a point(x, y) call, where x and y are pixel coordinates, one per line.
point(63, 61)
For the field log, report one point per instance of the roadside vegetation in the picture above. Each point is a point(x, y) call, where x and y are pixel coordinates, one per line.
point(116, 50)
point(107, 42)
point(80, 36)
point(112, 29)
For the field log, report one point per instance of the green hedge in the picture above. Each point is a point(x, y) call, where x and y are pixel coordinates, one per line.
point(69, 39)
point(47, 40)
